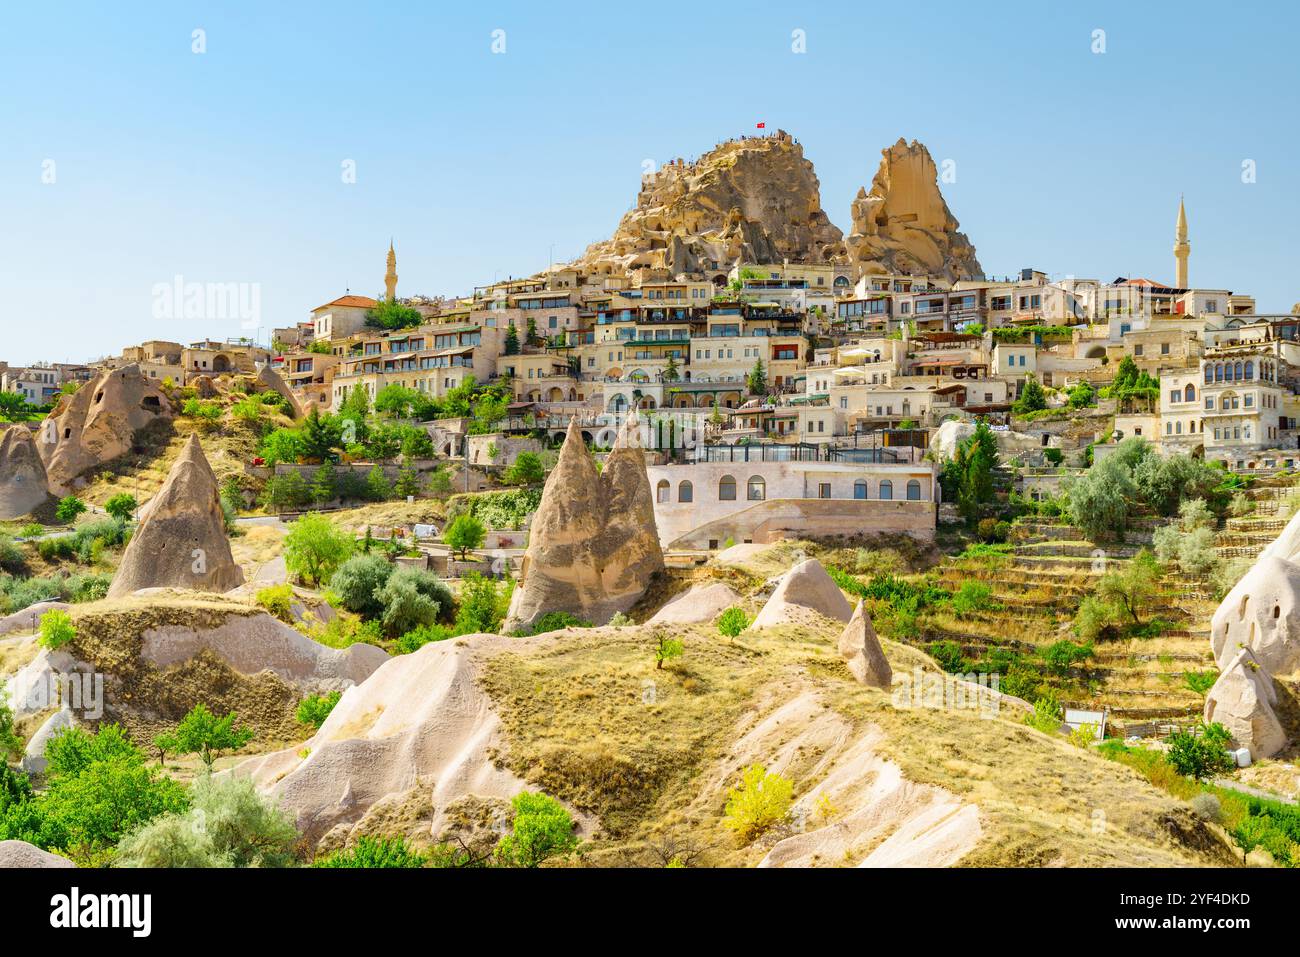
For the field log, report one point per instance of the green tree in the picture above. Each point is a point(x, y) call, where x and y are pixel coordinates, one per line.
point(324, 484)
point(756, 381)
point(121, 506)
point(68, 509)
point(762, 801)
point(666, 648)
point(283, 445)
point(203, 733)
point(378, 488)
point(1133, 588)
point(411, 598)
point(480, 606)
point(408, 483)
point(512, 340)
point(672, 372)
point(321, 435)
point(314, 548)
point(1100, 501)
point(542, 829)
point(391, 314)
point(733, 621)
point(358, 582)
point(1203, 755)
point(286, 491)
point(1032, 398)
point(526, 470)
point(532, 331)
point(464, 532)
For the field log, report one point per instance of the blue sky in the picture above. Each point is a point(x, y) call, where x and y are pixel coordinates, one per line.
point(225, 166)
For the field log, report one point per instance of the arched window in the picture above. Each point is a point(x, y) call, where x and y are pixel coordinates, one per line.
point(886, 489)
point(1189, 394)
point(1218, 372)
point(860, 488)
point(685, 492)
point(726, 489)
point(914, 491)
point(1250, 369)
point(756, 490)
point(661, 491)
point(1237, 371)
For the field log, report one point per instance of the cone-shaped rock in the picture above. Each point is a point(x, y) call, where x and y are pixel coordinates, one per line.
point(1242, 700)
point(22, 474)
point(98, 423)
point(860, 648)
point(182, 542)
point(803, 590)
point(592, 546)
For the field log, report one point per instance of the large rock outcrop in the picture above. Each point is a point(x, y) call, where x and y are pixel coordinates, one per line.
point(22, 474)
point(754, 199)
point(592, 546)
point(903, 224)
point(268, 380)
point(22, 854)
point(1242, 700)
point(805, 591)
point(181, 542)
point(98, 423)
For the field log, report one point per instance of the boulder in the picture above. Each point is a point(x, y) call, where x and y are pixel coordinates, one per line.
point(592, 545)
point(204, 387)
point(182, 540)
point(29, 619)
point(34, 757)
point(22, 474)
point(1257, 614)
point(803, 591)
point(860, 648)
point(98, 423)
point(700, 603)
point(1242, 700)
point(22, 854)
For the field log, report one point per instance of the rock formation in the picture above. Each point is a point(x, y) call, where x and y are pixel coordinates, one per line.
point(754, 199)
point(803, 591)
point(1242, 700)
point(268, 380)
point(422, 719)
point(182, 542)
point(698, 604)
point(22, 474)
point(1253, 641)
point(98, 423)
point(903, 225)
point(592, 546)
point(860, 648)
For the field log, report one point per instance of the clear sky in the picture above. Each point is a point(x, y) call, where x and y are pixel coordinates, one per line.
point(227, 166)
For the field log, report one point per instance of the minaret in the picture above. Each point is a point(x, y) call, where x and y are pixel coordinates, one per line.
point(390, 277)
point(1182, 248)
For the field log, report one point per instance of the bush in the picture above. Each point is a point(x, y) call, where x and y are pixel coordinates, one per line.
point(1201, 681)
point(315, 708)
point(358, 583)
point(527, 470)
point(481, 607)
point(1207, 807)
point(278, 600)
point(949, 656)
point(375, 852)
point(1047, 714)
point(228, 825)
point(411, 598)
point(56, 629)
point(417, 638)
point(314, 548)
point(971, 597)
point(733, 621)
point(542, 829)
point(557, 621)
point(203, 733)
point(1200, 756)
point(761, 802)
point(1060, 657)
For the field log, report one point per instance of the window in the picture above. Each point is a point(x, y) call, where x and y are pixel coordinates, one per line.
point(726, 489)
point(860, 488)
point(886, 490)
point(914, 491)
point(1137, 349)
point(685, 492)
point(756, 489)
point(661, 491)
point(824, 490)
point(1189, 394)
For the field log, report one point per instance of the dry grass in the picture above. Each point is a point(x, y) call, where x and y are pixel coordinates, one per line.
point(386, 514)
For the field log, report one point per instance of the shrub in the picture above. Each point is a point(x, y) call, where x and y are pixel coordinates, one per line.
point(359, 581)
point(315, 708)
point(56, 629)
point(1047, 714)
point(949, 656)
point(278, 600)
point(620, 620)
point(971, 597)
point(228, 825)
point(314, 548)
point(68, 509)
point(481, 608)
point(761, 802)
point(411, 598)
point(375, 852)
point(203, 733)
point(557, 621)
point(1063, 655)
point(1201, 681)
point(417, 638)
point(345, 630)
point(733, 621)
point(32, 530)
point(526, 470)
point(542, 829)
point(1207, 807)
point(1200, 756)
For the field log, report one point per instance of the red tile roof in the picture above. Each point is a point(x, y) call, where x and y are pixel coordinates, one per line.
point(364, 302)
